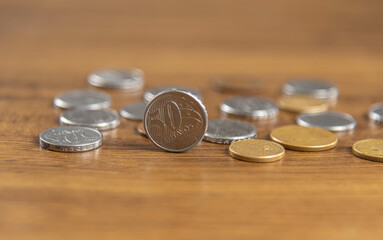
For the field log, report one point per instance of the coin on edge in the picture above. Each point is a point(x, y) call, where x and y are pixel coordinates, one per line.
point(175, 121)
point(83, 99)
point(134, 111)
point(332, 121)
point(226, 131)
point(102, 119)
point(257, 150)
point(376, 113)
point(141, 129)
point(128, 79)
point(301, 103)
point(370, 149)
point(150, 94)
point(70, 139)
point(308, 139)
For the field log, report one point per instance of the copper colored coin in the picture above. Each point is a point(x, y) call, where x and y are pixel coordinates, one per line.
point(302, 104)
point(141, 129)
point(370, 149)
point(257, 150)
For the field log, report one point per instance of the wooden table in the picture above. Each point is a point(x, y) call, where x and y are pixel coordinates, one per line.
point(129, 189)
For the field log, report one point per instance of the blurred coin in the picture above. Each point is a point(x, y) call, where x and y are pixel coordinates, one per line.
point(301, 138)
point(152, 93)
point(83, 99)
point(102, 119)
point(332, 121)
point(376, 113)
point(226, 131)
point(127, 79)
point(370, 149)
point(228, 84)
point(301, 103)
point(70, 139)
point(257, 150)
point(175, 121)
point(141, 129)
point(312, 87)
point(134, 111)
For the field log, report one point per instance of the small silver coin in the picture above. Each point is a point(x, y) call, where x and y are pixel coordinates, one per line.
point(152, 93)
point(127, 80)
point(226, 131)
point(250, 107)
point(83, 99)
point(102, 119)
point(70, 139)
point(134, 111)
point(312, 87)
point(175, 121)
point(332, 121)
point(376, 112)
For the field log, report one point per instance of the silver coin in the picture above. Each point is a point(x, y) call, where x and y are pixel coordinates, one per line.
point(70, 139)
point(226, 131)
point(312, 87)
point(134, 111)
point(376, 112)
point(152, 93)
point(102, 119)
point(250, 107)
point(128, 80)
point(83, 99)
point(332, 121)
point(175, 121)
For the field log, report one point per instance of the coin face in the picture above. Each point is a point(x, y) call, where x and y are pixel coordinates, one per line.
point(301, 138)
point(102, 119)
point(127, 79)
point(376, 113)
point(152, 93)
point(70, 139)
point(332, 121)
point(175, 121)
point(301, 103)
point(134, 111)
point(257, 150)
point(370, 149)
point(250, 107)
point(226, 131)
point(141, 129)
point(83, 99)
point(235, 84)
point(312, 87)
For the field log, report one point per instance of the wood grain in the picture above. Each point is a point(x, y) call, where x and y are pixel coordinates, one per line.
point(128, 189)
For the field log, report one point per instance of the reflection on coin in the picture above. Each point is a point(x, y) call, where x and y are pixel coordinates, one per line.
point(301, 138)
point(141, 129)
point(175, 121)
point(257, 150)
point(151, 93)
point(226, 131)
point(227, 84)
point(134, 111)
point(370, 149)
point(102, 119)
point(250, 107)
point(312, 87)
point(376, 113)
point(70, 139)
point(83, 99)
point(301, 103)
point(128, 79)
point(332, 121)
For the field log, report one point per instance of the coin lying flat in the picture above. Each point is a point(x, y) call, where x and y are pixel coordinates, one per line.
point(152, 93)
point(127, 80)
point(301, 138)
point(257, 150)
point(250, 107)
point(70, 139)
point(102, 119)
point(301, 103)
point(134, 111)
point(226, 131)
point(141, 129)
point(312, 87)
point(370, 149)
point(376, 113)
point(332, 121)
point(175, 121)
point(227, 84)
point(83, 99)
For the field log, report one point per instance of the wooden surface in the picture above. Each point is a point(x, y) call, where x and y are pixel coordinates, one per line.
point(128, 189)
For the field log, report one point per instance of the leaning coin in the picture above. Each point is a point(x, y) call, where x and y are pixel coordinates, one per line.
point(376, 113)
point(301, 103)
point(127, 79)
point(70, 139)
point(332, 121)
point(134, 111)
point(257, 150)
point(226, 131)
point(83, 99)
point(312, 87)
point(102, 119)
point(152, 93)
point(175, 121)
point(370, 149)
point(301, 138)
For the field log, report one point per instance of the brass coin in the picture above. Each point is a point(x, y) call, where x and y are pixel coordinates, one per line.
point(300, 104)
point(141, 129)
point(308, 139)
point(370, 149)
point(257, 150)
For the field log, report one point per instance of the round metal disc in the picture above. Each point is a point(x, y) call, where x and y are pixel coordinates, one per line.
point(152, 93)
point(134, 111)
point(226, 131)
point(370, 149)
point(301, 103)
point(257, 150)
point(141, 129)
point(83, 99)
point(332, 121)
point(376, 112)
point(127, 80)
point(102, 119)
point(312, 87)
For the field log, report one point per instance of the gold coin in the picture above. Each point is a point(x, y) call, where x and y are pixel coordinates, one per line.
point(308, 139)
point(299, 104)
point(257, 150)
point(140, 129)
point(370, 149)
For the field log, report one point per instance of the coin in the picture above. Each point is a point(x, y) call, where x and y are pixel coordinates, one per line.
point(235, 84)
point(134, 111)
point(226, 131)
point(70, 139)
point(301, 138)
point(250, 107)
point(257, 150)
point(370, 149)
point(152, 93)
point(332, 121)
point(175, 121)
point(102, 119)
point(301, 103)
point(127, 79)
point(83, 99)
point(312, 87)
point(376, 113)
point(141, 129)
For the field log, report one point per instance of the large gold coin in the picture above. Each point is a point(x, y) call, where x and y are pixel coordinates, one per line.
point(257, 150)
point(301, 138)
point(370, 149)
point(300, 104)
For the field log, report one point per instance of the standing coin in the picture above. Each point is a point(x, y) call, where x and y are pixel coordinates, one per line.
point(83, 99)
point(332, 121)
point(257, 150)
point(312, 87)
point(102, 119)
point(301, 103)
point(226, 131)
point(134, 111)
point(376, 113)
point(370, 149)
point(152, 93)
point(175, 121)
point(70, 139)
point(128, 79)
